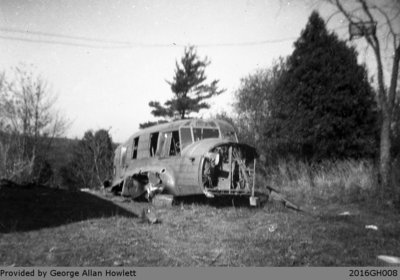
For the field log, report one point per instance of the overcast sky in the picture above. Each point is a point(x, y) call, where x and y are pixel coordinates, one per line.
point(128, 50)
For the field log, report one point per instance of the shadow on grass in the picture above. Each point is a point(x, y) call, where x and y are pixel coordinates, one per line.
point(220, 201)
point(34, 207)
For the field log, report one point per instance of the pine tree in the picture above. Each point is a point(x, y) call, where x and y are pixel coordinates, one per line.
point(324, 106)
point(189, 88)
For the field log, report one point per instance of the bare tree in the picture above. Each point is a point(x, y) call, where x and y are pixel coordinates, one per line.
point(28, 120)
point(383, 39)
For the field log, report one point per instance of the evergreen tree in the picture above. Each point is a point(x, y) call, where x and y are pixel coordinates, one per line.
point(324, 106)
point(189, 88)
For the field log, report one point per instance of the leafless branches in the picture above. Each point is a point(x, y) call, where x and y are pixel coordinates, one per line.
point(385, 14)
point(28, 120)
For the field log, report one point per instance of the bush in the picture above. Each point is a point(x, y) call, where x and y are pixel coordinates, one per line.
point(42, 171)
point(91, 163)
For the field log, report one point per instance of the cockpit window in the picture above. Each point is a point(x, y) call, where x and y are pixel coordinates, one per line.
point(227, 132)
point(204, 133)
point(197, 134)
point(210, 133)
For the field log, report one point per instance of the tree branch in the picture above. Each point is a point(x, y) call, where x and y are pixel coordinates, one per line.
point(394, 78)
point(389, 23)
point(376, 48)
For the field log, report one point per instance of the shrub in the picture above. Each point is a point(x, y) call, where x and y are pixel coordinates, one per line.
point(42, 171)
point(91, 163)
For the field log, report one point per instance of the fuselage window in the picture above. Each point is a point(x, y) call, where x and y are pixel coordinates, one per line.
point(186, 137)
point(123, 156)
point(169, 144)
point(135, 147)
point(153, 143)
point(175, 148)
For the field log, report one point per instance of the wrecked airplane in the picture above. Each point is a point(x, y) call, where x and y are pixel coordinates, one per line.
point(185, 157)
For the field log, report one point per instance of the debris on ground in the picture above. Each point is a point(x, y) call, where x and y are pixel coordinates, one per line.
point(374, 227)
point(272, 227)
point(118, 263)
point(148, 216)
point(389, 259)
point(163, 200)
point(276, 195)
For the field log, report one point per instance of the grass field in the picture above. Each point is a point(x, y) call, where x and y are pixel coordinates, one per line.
point(50, 227)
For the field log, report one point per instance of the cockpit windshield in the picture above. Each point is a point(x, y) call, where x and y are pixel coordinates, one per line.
point(193, 132)
point(204, 133)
